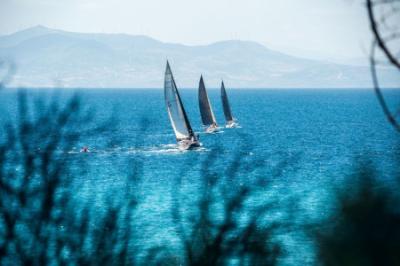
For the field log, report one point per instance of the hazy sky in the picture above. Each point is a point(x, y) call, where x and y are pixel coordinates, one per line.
point(336, 28)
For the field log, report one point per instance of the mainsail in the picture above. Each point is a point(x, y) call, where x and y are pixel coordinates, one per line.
point(207, 115)
point(176, 112)
point(225, 104)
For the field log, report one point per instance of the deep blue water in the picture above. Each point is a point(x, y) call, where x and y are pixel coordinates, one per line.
point(320, 133)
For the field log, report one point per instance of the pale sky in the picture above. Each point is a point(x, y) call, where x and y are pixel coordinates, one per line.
point(332, 28)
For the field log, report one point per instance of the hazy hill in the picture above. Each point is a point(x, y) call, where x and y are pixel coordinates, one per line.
point(48, 57)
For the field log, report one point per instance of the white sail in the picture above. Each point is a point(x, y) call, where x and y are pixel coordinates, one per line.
point(175, 108)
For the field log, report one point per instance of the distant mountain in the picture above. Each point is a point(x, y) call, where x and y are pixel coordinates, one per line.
point(46, 57)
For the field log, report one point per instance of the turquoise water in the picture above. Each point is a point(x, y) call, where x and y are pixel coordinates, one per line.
point(311, 137)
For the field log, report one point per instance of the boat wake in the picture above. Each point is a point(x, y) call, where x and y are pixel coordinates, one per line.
point(174, 148)
point(233, 127)
point(162, 149)
point(73, 152)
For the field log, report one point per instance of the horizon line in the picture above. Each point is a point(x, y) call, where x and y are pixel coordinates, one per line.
point(194, 88)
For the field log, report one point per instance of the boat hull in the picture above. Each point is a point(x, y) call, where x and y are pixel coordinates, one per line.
point(188, 144)
point(231, 124)
point(212, 129)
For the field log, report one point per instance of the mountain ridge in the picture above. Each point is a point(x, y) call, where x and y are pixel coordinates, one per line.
point(46, 57)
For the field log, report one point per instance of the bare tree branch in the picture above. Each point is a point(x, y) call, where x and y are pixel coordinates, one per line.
point(380, 42)
point(391, 118)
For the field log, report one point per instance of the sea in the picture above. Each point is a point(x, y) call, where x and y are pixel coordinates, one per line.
point(303, 144)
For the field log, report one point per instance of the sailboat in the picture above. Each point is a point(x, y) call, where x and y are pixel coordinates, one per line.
point(185, 136)
point(207, 115)
point(230, 121)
